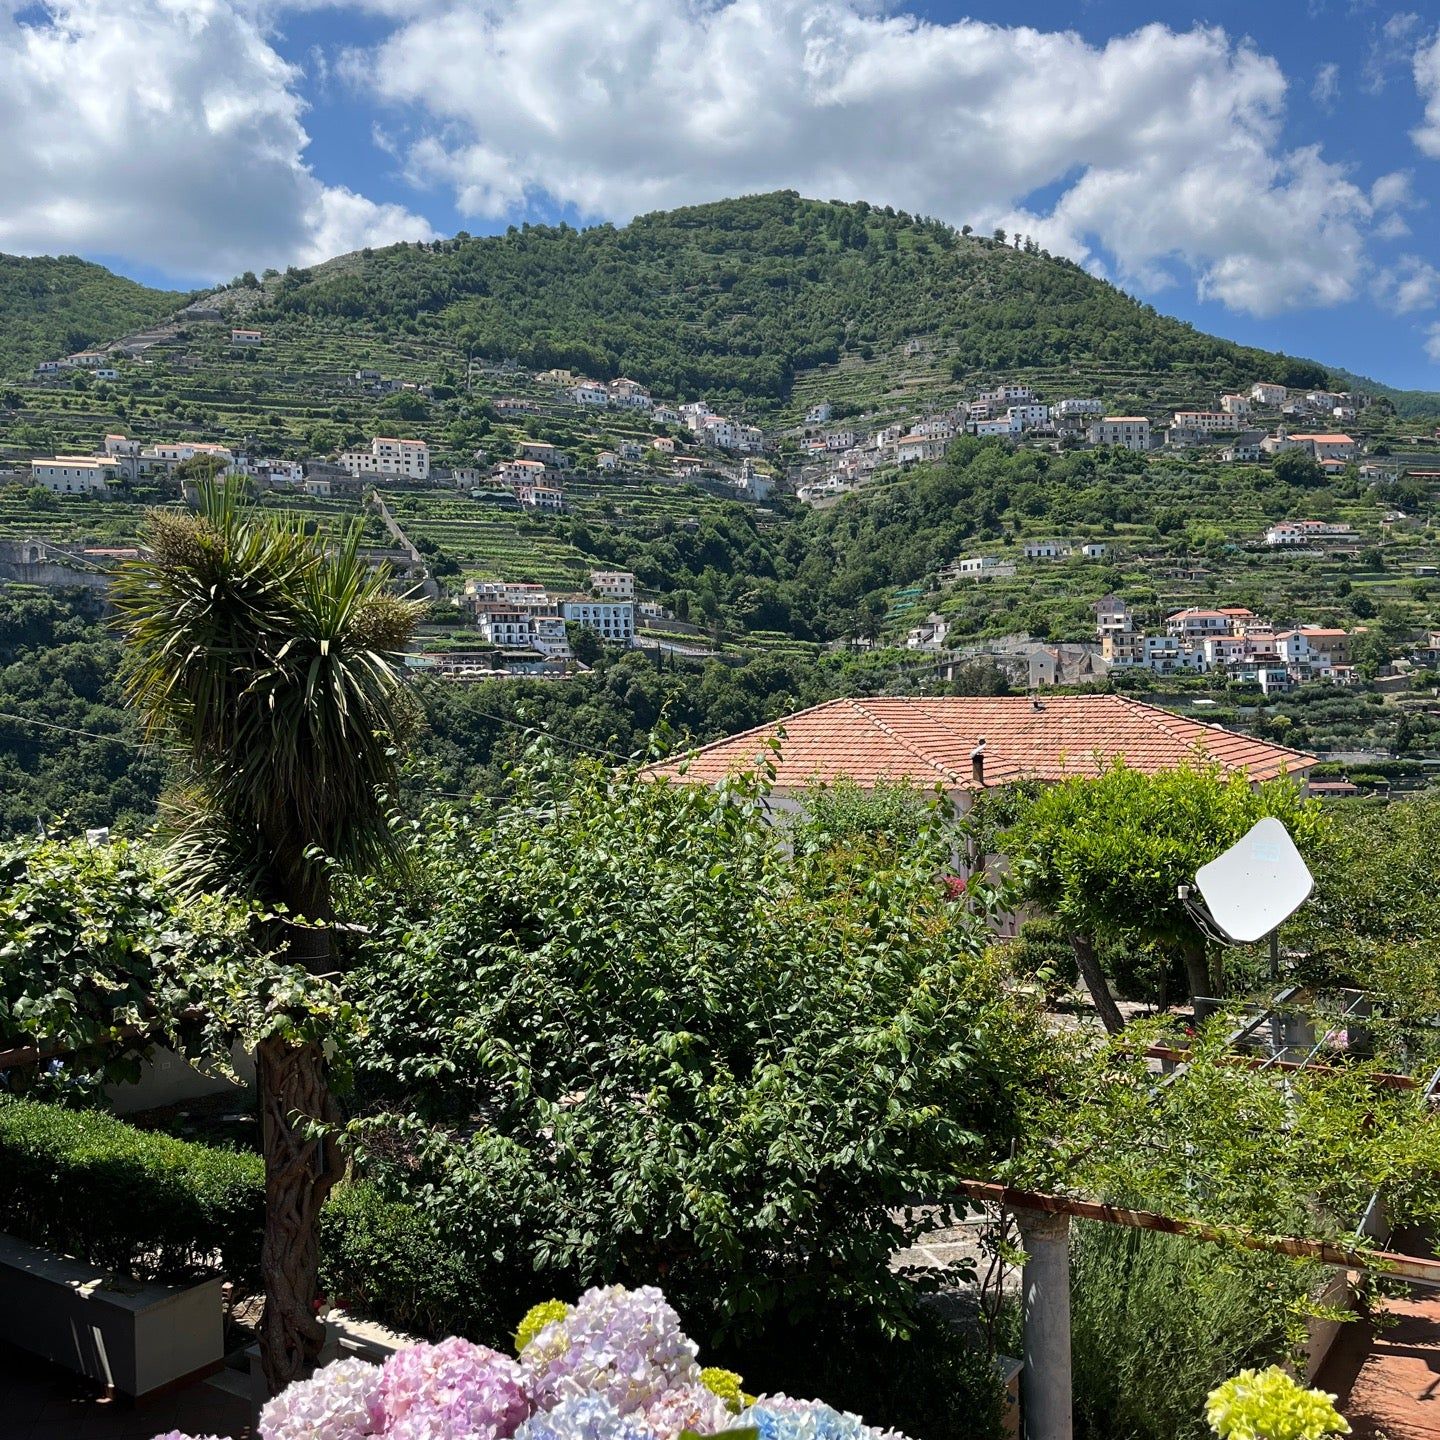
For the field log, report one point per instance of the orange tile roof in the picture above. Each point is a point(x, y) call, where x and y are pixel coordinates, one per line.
point(928, 740)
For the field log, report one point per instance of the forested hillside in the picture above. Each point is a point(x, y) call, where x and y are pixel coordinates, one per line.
point(735, 298)
point(54, 306)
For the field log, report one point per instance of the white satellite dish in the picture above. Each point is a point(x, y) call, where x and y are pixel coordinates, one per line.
point(1257, 884)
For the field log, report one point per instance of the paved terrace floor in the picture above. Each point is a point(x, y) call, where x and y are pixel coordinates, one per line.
point(1387, 1378)
point(43, 1402)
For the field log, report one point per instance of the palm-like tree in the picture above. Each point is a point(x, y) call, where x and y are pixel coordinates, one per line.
point(269, 658)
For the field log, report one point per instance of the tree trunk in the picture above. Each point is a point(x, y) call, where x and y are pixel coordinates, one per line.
point(1197, 976)
point(1094, 978)
point(300, 1171)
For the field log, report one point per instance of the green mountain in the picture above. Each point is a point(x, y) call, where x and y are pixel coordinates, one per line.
point(739, 298)
point(52, 306)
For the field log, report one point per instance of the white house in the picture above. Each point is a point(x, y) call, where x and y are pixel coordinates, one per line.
point(918, 447)
point(1204, 422)
point(1021, 417)
point(629, 394)
point(1195, 624)
point(613, 584)
point(1327, 447)
point(840, 440)
point(405, 459)
point(1094, 550)
point(1043, 550)
point(1079, 407)
point(589, 392)
point(1236, 405)
point(607, 460)
point(1272, 396)
point(521, 472)
point(819, 414)
point(541, 497)
point(1130, 432)
point(246, 337)
point(612, 620)
point(1112, 616)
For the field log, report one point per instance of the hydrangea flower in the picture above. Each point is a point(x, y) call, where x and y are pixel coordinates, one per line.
point(727, 1385)
point(694, 1407)
point(178, 1435)
point(778, 1417)
point(451, 1391)
point(338, 1402)
point(584, 1417)
point(537, 1317)
point(624, 1345)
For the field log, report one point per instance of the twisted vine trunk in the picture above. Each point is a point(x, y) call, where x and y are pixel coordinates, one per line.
point(300, 1171)
point(1094, 978)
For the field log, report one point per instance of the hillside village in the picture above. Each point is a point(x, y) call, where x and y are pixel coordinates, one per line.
point(519, 625)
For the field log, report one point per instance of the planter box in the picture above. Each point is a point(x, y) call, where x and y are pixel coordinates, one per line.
point(135, 1338)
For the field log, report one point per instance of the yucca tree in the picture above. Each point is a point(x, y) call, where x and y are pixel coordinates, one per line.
point(268, 658)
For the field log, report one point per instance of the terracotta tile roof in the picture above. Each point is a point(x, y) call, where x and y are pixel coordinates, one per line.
point(928, 740)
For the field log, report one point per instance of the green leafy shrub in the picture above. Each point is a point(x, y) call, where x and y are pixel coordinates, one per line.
point(1157, 1321)
point(89, 1185)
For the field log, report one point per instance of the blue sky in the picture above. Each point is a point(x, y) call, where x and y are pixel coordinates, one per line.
point(1268, 172)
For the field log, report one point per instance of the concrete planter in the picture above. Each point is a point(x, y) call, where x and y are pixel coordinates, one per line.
point(136, 1338)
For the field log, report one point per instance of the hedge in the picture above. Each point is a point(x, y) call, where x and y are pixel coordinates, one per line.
point(86, 1184)
point(138, 1203)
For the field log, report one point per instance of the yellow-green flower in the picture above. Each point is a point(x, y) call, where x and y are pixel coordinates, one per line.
point(536, 1319)
point(726, 1385)
point(1272, 1405)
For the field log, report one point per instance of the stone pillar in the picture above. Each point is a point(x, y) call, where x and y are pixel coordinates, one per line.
point(1045, 1281)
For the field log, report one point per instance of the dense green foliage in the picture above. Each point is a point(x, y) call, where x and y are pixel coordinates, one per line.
point(1106, 857)
point(1157, 1321)
point(50, 307)
point(135, 1202)
point(650, 1035)
point(733, 298)
point(57, 669)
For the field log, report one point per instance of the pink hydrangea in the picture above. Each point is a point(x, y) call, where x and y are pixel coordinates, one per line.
point(692, 1407)
point(178, 1435)
point(451, 1391)
point(623, 1345)
point(338, 1402)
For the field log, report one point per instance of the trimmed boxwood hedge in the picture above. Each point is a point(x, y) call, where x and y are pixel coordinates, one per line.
point(86, 1184)
point(83, 1183)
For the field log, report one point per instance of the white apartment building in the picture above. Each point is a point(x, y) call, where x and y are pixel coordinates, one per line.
point(589, 392)
point(1273, 396)
point(510, 629)
point(1235, 405)
point(819, 414)
point(1204, 422)
point(613, 584)
point(73, 474)
point(1112, 616)
point(1327, 447)
point(541, 450)
point(607, 460)
point(1130, 432)
point(1079, 407)
point(1011, 394)
point(612, 620)
point(1304, 532)
point(1004, 428)
point(405, 459)
point(840, 440)
point(1021, 416)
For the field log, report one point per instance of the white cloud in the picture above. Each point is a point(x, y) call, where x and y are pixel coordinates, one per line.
point(1432, 342)
point(1326, 85)
point(1426, 135)
point(167, 132)
point(1391, 46)
point(1411, 284)
point(1166, 146)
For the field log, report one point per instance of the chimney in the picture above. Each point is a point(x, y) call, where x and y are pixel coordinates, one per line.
point(977, 763)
